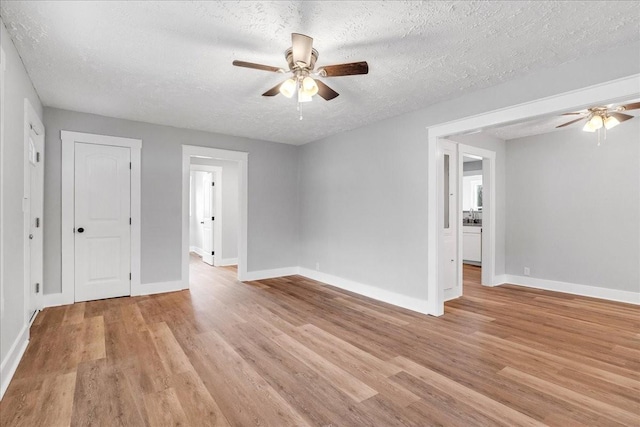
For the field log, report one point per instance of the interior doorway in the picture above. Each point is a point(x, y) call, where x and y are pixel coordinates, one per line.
point(205, 213)
point(471, 214)
point(214, 210)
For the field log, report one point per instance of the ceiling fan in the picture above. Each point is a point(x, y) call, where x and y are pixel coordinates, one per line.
point(600, 116)
point(301, 58)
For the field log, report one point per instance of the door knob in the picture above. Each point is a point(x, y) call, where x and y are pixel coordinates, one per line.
point(80, 230)
point(30, 236)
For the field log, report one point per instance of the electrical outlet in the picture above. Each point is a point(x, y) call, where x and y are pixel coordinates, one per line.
point(317, 266)
point(527, 272)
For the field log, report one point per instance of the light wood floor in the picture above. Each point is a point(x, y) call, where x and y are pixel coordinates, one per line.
point(291, 352)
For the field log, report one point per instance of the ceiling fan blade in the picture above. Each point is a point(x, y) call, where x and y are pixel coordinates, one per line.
point(325, 91)
point(572, 121)
point(301, 47)
point(350, 69)
point(570, 114)
point(258, 66)
point(633, 106)
point(273, 91)
point(621, 117)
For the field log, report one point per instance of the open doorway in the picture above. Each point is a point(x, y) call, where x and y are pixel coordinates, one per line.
point(213, 212)
point(471, 220)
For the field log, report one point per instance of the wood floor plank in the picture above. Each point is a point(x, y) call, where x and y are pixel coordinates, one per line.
point(245, 397)
point(292, 351)
point(196, 401)
point(164, 409)
point(102, 395)
point(55, 401)
point(350, 385)
point(480, 402)
point(575, 398)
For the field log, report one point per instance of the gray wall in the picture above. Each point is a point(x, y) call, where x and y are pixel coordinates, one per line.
point(573, 208)
point(230, 204)
point(273, 202)
point(17, 87)
point(363, 193)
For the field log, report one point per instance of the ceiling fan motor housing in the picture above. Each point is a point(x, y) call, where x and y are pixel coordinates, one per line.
point(288, 54)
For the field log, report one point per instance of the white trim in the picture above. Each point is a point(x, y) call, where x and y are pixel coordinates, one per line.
point(605, 93)
point(195, 250)
point(271, 274)
point(217, 224)
point(56, 299)
point(498, 280)
point(12, 359)
point(227, 261)
point(404, 301)
point(158, 288)
point(69, 139)
point(33, 128)
point(574, 289)
point(243, 162)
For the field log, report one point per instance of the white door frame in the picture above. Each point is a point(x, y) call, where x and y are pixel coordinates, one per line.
point(242, 158)
point(488, 212)
point(605, 93)
point(69, 140)
point(32, 126)
point(217, 223)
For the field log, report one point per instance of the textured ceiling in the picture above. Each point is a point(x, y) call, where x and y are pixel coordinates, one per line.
point(548, 124)
point(170, 62)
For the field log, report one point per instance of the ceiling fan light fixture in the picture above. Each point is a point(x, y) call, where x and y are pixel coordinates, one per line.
point(309, 86)
point(303, 96)
point(611, 122)
point(288, 88)
point(593, 124)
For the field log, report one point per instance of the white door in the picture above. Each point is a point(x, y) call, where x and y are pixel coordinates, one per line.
point(448, 221)
point(102, 221)
point(34, 195)
point(208, 189)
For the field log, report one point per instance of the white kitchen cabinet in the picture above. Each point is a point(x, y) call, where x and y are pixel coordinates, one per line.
point(472, 244)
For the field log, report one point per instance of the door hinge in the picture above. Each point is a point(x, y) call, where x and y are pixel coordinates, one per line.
point(129, 221)
point(37, 288)
point(129, 276)
point(213, 218)
point(37, 222)
point(213, 184)
point(38, 157)
point(129, 165)
point(213, 252)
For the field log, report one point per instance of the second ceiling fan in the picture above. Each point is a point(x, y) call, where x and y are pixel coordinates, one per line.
point(301, 58)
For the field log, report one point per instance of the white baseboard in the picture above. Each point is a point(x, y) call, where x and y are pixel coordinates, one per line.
point(227, 261)
point(575, 289)
point(12, 359)
point(270, 274)
point(196, 250)
point(54, 300)
point(498, 280)
point(404, 301)
point(157, 288)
